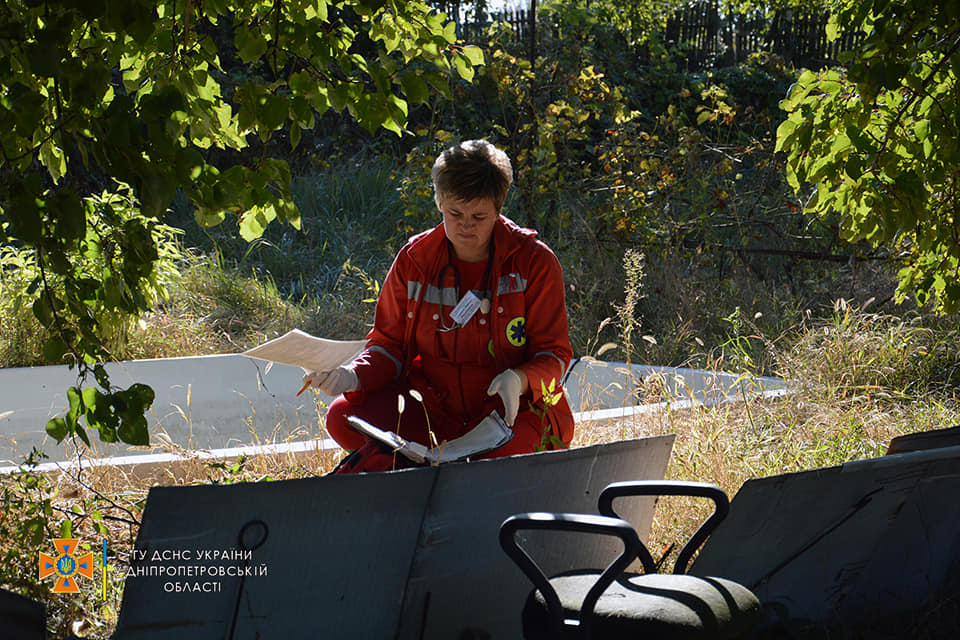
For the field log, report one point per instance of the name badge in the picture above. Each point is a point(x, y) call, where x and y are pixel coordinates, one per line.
point(466, 308)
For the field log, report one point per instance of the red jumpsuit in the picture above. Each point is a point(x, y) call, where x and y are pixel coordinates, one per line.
point(523, 326)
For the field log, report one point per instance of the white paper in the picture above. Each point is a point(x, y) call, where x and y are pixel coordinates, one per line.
point(492, 432)
point(310, 353)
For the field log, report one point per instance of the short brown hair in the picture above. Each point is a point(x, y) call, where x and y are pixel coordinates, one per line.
point(470, 170)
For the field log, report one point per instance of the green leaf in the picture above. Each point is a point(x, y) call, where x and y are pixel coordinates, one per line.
point(372, 5)
point(785, 135)
point(295, 133)
point(71, 217)
point(42, 311)
point(832, 28)
point(302, 112)
point(450, 32)
point(82, 434)
point(54, 159)
point(474, 54)
point(853, 167)
point(303, 84)
point(44, 56)
point(99, 415)
point(54, 349)
point(133, 430)
point(255, 220)
point(390, 124)
point(273, 112)
point(75, 407)
point(415, 88)
point(339, 95)
point(57, 429)
point(142, 394)
point(250, 45)
point(130, 406)
point(439, 82)
point(464, 69)
point(101, 375)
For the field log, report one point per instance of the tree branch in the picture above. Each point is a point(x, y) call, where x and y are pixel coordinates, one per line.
point(913, 97)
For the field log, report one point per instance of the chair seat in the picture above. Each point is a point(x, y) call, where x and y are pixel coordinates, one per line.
point(662, 606)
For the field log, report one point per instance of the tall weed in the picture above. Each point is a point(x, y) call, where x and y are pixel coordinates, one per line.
point(22, 338)
point(113, 221)
point(856, 355)
point(858, 379)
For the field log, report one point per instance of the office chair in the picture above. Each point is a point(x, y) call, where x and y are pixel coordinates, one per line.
point(613, 605)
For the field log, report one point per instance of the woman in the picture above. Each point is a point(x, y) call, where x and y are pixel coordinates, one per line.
point(471, 316)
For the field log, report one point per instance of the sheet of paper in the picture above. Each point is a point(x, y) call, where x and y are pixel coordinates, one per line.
point(300, 349)
point(491, 433)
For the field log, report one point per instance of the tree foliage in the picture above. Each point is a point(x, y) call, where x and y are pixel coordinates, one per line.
point(131, 97)
point(881, 141)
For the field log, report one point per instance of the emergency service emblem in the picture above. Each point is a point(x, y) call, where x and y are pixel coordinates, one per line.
point(67, 566)
point(516, 331)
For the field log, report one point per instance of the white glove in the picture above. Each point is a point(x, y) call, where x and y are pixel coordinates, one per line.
point(333, 383)
point(509, 385)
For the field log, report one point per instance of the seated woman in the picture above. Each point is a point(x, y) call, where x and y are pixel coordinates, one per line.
point(472, 316)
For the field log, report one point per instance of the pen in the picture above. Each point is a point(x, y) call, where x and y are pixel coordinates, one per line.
point(303, 388)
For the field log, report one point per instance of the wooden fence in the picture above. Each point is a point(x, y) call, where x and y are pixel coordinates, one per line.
point(518, 19)
point(710, 39)
point(704, 36)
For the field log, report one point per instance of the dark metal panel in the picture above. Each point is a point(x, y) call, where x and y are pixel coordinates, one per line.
point(21, 618)
point(337, 554)
point(934, 439)
point(462, 585)
point(870, 548)
point(355, 556)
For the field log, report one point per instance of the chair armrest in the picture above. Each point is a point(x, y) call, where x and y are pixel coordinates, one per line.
point(581, 523)
point(671, 488)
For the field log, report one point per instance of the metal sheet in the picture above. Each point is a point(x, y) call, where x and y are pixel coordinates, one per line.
point(219, 401)
point(354, 556)
point(201, 403)
point(935, 439)
point(21, 618)
point(337, 555)
point(462, 585)
point(867, 549)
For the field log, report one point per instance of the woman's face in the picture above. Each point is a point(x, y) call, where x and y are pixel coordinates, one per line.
point(469, 226)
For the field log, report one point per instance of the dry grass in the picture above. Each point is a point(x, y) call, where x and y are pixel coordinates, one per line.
point(830, 418)
point(853, 392)
point(726, 445)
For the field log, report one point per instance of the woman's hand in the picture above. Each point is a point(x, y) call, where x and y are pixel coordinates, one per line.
point(333, 383)
point(510, 385)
